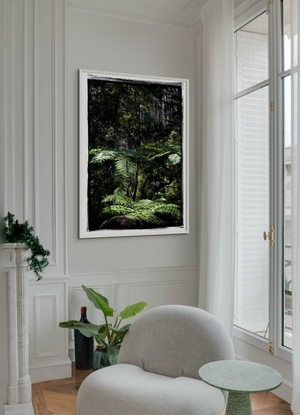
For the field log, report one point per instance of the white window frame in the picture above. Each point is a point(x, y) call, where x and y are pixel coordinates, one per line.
point(252, 342)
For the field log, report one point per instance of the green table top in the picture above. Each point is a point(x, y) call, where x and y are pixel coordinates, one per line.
point(240, 377)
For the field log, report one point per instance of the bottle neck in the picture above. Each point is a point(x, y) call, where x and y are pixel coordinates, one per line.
point(83, 315)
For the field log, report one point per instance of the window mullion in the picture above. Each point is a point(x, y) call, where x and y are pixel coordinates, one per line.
point(273, 98)
point(282, 350)
point(276, 180)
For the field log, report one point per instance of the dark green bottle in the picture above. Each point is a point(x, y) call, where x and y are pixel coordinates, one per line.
point(84, 346)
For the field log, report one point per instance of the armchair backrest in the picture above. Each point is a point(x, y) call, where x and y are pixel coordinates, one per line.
point(175, 340)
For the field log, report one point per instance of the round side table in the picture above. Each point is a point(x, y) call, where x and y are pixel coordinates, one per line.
point(240, 379)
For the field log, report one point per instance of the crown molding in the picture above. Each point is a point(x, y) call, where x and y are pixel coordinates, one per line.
point(182, 13)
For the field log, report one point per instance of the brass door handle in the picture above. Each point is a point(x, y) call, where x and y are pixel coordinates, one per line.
point(270, 235)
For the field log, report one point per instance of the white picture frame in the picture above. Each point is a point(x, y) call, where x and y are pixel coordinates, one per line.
point(91, 81)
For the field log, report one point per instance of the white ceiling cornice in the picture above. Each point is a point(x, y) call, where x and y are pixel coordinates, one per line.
point(183, 13)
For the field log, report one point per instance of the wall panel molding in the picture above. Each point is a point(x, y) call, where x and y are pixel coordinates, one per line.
point(49, 279)
point(13, 108)
point(50, 311)
point(35, 117)
point(48, 354)
point(141, 279)
point(25, 112)
point(156, 286)
point(65, 145)
point(133, 271)
point(54, 133)
point(44, 170)
point(9, 106)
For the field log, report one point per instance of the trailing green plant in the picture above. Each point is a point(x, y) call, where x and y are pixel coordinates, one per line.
point(107, 335)
point(15, 232)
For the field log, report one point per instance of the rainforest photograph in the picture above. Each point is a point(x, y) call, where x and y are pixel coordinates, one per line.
point(135, 154)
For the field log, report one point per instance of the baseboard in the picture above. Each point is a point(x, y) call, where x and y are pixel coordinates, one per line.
point(59, 371)
point(21, 409)
point(284, 391)
point(72, 351)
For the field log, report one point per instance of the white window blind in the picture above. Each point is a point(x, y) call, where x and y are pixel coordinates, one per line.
point(252, 135)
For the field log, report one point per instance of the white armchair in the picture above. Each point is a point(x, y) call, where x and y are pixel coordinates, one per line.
point(157, 372)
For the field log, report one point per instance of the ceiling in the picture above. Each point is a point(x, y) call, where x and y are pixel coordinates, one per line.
point(185, 13)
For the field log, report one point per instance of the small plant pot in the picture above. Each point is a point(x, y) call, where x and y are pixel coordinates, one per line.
point(100, 358)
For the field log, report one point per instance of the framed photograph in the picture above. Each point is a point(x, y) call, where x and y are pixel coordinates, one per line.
point(133, 174)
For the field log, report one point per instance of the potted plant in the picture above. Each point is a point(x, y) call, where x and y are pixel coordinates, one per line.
point(15, 232)
point(108, 336)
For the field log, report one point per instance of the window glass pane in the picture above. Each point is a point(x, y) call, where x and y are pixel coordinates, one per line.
point(286, 30)
point(252, 53)
point(288, 288)
point(252, 277)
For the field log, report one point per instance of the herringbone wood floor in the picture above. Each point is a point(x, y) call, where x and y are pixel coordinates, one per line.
point(58, 397)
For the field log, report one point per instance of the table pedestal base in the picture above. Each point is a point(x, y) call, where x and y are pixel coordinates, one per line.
point(238, 404)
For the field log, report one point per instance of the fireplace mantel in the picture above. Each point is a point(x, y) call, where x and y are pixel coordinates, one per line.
point(18, 381)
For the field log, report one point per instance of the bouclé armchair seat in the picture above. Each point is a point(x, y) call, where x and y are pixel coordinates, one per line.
point(157, 372)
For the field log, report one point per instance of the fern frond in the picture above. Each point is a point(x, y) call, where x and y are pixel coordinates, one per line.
point(101, 155)
point(144, 213)
point(118, 199)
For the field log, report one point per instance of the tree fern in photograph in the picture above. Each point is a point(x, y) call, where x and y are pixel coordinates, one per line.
point(122, 212)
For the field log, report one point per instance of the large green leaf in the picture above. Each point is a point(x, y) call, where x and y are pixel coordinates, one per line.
point(88, 330)
point(101, 340)
point(120, 333)
point(132, 310)
point(113, 353)
point(123, 328)
point(104, 331)
point(99, 301)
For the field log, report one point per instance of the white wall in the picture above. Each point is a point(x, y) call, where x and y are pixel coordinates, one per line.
point(157, 269)
point(109, 44)
point(44, 43)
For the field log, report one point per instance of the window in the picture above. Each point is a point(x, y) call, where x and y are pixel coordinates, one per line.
point(263, 296)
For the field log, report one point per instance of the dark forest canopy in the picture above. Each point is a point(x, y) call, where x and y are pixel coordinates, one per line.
point(135, 154)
